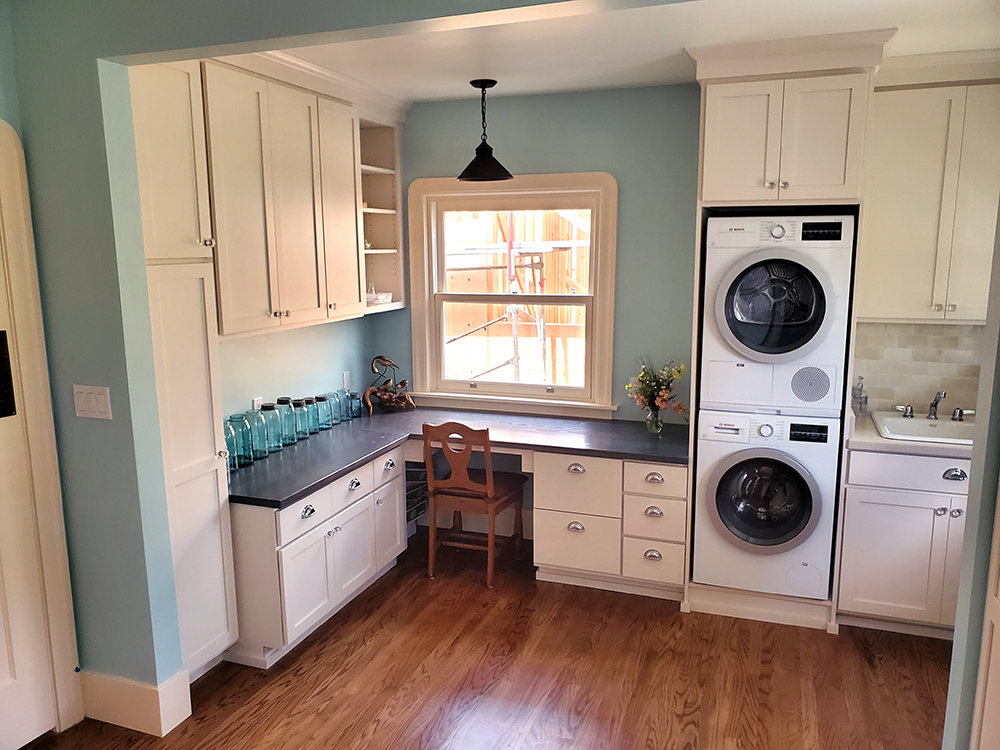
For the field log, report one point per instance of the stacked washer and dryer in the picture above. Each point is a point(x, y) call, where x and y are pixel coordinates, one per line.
point(771, 395)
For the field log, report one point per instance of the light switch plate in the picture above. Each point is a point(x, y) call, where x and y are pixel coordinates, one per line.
point(347, 380)
point(92, 401)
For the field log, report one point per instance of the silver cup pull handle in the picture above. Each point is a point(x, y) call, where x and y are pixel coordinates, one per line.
point(353, 484)
point(390, 464)
point(652, 554)
point(575, 526)
point(653, 512)
point(654, 477)
point(575, 468)
point(308, 512)
point(956, 475)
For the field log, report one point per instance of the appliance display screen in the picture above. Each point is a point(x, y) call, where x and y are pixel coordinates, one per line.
point(822, 230)
point(808, 433)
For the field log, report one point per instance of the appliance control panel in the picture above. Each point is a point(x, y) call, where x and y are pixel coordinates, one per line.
point(802, 231)
point(762, 429)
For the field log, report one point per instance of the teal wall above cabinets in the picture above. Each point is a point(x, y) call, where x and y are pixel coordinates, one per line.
point(8, 85)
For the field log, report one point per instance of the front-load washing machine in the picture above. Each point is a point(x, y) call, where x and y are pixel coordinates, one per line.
point(775, 313)
point(765, 497)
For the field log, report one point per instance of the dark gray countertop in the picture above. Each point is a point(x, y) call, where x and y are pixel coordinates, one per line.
point(299, 470)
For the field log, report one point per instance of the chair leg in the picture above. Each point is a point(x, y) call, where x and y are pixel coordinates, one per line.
point(491, 551)
point(518, 528)
point(431, 535)
point(456, 521)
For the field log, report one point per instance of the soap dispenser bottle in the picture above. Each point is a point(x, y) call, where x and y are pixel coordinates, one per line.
point(859, 397)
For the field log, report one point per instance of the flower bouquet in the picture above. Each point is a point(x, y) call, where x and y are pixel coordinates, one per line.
point(653, 390)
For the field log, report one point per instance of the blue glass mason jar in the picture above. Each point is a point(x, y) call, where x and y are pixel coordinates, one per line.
point(301, 419)
point(272, 421)
point(334, 407)
point(312, 415)
point(230, 435)
point(325, 414)
point(355, 404)
point(345, 405)
point(244, 450)
point(258, 434)
point(287, 416)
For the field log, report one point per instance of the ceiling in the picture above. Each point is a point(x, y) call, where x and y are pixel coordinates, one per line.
point(597, 44)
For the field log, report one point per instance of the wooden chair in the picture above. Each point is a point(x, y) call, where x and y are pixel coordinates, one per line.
point(475, 490)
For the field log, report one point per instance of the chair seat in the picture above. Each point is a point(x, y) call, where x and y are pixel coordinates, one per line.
point(505, 484)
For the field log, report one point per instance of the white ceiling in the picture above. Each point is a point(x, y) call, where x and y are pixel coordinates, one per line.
point(595, 44)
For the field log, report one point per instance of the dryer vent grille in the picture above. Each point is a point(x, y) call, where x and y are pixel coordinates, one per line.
point(810, 384)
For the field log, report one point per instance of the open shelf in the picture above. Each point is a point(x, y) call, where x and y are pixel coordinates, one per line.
point(371, 210)
point(380, 214)
point(372, 169)
point(381, 250)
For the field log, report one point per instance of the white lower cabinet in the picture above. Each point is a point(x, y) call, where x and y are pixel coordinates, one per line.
point(297, 566)
point(578, 541)
point(902, 547)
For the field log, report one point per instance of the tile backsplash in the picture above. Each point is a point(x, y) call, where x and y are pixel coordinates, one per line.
point(907, 363)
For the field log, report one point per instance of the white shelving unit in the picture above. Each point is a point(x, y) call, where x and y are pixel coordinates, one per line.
point(381, 200)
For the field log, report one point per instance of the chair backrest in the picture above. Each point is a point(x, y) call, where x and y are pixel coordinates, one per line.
point(458, 453)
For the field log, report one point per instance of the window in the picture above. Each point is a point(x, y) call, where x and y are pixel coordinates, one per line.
point(512, 285)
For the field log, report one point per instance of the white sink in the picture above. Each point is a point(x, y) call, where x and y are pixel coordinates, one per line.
point(894, 426)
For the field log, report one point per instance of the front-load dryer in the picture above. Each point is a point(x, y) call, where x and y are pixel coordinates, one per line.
point(775, 314)
point(765, 496)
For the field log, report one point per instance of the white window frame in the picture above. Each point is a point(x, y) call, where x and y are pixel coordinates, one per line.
point(428, 199)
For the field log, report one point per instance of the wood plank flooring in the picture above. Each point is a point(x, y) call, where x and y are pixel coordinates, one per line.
point(448, 663)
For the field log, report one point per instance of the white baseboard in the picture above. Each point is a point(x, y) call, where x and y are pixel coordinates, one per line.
point(136, 705)
point(896, 626)
point(608, 583)
point(716, 600)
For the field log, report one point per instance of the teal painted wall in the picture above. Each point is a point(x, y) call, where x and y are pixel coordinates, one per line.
point(8, 85)
point(647, 139)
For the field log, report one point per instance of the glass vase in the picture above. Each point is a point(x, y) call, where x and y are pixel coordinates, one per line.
point(653, 422)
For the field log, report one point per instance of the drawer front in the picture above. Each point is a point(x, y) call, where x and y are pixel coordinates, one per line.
point(654, 518)
point(578, 484)
point(896, 471)
point(352, 487)
point(306, 514)
point(577, 541)
point(653, 561)
point(388, 466)
point(662, 480)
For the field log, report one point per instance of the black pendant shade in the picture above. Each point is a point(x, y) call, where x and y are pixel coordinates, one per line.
point(484, 167)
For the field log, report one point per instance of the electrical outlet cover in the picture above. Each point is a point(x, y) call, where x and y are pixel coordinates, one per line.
point(347, 380)
point(257, 402)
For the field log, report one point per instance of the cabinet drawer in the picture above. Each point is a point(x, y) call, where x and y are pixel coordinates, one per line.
point(578, 484)
point(662, 480)
point(577, 541)
point(304, 515)
point(352, 486)
point(654, 518)
point(388, 466)
point(653, 561)
point(897, 471)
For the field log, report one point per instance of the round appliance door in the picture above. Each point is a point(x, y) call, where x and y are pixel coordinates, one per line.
point(774, 305)
point(763, 500)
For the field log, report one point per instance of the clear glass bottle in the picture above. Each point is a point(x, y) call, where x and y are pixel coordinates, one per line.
point(244, 450)
point(345, 405)
point(324, 411)
point(272, 420)
point(258, 434)
point(355, 404)
point(287, 415)
point(334, 407)
point(230, 435)
point(312, 415)
point(301, 419)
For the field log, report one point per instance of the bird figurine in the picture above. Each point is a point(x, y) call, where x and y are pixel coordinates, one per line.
point(391, 396)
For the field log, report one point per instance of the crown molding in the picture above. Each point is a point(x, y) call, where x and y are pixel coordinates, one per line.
point(941, 67)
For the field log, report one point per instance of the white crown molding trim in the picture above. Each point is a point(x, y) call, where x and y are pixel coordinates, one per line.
point(861, 50)
point(136, 705)
point(940, 67)
point(289, 68)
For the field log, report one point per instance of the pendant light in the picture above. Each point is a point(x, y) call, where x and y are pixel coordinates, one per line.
point(484, 167)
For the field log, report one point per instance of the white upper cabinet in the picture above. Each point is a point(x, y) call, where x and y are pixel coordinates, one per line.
point(173, 171)
point(795, 139)
point(932, 184)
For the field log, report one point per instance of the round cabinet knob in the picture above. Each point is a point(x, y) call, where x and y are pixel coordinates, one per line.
point(208, 243)
point(276, 313)
point(770, 185)
point(765, 430)
point(380, 502)
point(952, 308)
point(337, 529)
point(288, 313)
point(957, 513)
point(784, 184)
point(778, 231)
point(940, 511)
point(938, 308)
point(223, 454)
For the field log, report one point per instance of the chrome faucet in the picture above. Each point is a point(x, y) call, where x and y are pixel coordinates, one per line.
point(932, 412)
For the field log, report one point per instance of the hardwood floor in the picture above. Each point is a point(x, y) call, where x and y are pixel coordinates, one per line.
point(448, 663)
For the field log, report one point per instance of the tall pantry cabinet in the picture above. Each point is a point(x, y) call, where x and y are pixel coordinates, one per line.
point(173, 187)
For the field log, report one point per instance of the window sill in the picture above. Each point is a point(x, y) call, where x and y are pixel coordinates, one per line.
point(508, 404)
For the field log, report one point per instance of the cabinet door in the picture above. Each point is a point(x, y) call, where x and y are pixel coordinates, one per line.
point(293, 123)
point(390, 522)
point(182, 310)
point(911, 180)
point(822, 137)
point(173, 168)
point(340, 165)
point(976, 206)
point(353, 547)
point(894, 552)
point(742, 141)
point(242, 205)
point(307, 580)
point(953, 561)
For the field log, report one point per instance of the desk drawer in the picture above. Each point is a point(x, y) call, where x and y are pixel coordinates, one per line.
point(353, 486)
point(898, 471)
point(578, 541)
point(578, 484)
point(662, 480)
point(388, 466)
point(306, 514)
point(654, 518)
point(653, 561)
